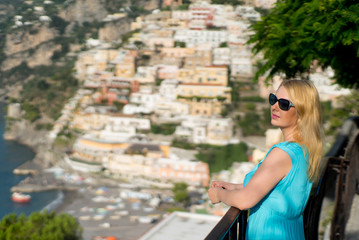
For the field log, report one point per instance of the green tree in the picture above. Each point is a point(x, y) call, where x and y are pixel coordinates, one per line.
point(31, 112)
point(230, 2)
point(296, 33)
point(59, 23)
point(165, 129)
point(40, 225)
point(222, 157)
point(180, 193)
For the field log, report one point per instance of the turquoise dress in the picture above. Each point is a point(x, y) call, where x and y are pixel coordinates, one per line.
point(279, 214)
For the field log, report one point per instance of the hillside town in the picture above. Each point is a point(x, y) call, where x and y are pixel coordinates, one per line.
point(176, 68)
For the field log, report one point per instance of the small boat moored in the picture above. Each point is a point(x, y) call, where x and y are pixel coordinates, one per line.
point(20, 197)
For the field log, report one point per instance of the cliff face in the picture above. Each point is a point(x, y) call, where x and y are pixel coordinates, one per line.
point(112, 31)
point(35, 47)
point(35, 44)
point(81, 11)
point(24, 132)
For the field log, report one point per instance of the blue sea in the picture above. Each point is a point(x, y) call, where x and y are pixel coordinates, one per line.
point(12, 155)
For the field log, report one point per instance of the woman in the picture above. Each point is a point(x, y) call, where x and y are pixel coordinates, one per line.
point(277, 189)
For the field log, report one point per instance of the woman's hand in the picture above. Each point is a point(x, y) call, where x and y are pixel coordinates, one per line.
point(213, 194)
point(226, 185)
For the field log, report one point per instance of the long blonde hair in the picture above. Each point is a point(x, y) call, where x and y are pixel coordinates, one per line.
point(309, 130)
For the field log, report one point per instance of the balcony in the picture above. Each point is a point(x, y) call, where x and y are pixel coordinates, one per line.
point(339, 184)
point(232, 226)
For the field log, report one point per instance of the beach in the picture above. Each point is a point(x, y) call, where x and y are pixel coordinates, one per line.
point(103, 206)
point(103, 214)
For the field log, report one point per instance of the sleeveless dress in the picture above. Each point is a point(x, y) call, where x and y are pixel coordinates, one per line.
point(279, 214)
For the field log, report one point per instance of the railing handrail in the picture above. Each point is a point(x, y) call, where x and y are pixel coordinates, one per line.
point(230, 225)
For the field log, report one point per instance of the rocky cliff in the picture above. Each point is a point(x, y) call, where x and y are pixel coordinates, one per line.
point(25, 133)
point(33, 45)
point(81, 11)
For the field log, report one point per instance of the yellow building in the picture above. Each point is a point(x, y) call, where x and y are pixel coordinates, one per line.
point(201, 58)
point(125, 67)
point(204, 89)
point(207, 92)
point(204, 108)
point(212, 75)
point(176, 52)
point(89, 121)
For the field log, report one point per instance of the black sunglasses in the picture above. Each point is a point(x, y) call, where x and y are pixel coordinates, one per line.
point(284, 104)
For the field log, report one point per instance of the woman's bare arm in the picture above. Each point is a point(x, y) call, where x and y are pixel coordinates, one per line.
point(273, 169)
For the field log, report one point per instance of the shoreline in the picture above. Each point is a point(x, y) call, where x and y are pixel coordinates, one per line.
point(69, 196)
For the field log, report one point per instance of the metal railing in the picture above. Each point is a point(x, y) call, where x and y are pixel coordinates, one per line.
point(232, 226)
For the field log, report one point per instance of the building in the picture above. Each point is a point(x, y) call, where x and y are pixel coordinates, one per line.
point(265, 3)
point(210, 75)
point(156, 163)
point(183, 225)
point(202, 16)
point(202, 57)
point(221, 56)
point(216, 131)
point(194, 38)
point(92, 61)
point(204, 91)
point(97, 122)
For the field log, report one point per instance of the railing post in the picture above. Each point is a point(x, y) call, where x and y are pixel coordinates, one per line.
point(232, 226)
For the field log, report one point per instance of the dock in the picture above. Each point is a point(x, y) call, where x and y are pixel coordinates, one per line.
point(28, 188)
point(29, 167)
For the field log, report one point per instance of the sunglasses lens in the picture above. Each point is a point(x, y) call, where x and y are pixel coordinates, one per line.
point(272, 99)
point(283, 104)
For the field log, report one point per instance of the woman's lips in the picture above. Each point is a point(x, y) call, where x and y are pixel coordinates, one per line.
point(275, 116)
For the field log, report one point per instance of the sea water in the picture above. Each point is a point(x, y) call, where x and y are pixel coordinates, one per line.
point(12, 155)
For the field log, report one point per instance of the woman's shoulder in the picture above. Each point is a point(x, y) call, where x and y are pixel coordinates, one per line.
point(292, 148)
point(288, 145)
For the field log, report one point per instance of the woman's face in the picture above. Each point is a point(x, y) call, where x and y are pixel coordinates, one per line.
point(280, 118)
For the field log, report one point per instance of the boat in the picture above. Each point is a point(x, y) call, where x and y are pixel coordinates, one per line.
point(20, 197)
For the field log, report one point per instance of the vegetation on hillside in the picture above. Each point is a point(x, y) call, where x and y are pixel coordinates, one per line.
point(217, 157)
point(222, 157)
point(47, 90)
point(229, 2)
point(180, 193)
point(165, 129)
point(40, 225)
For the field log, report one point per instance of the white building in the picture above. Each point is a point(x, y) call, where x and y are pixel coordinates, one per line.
point(221, 56)
point(168, 89)
point(219, 131)
point(324, 83)
point(146, 100)
point(247, 12)
point(216, 131)
point(124, 121)
point(182, 15)
point(194, 38)
point(171, 110)
point(241, 62)
point(265, 3)
point(135, 109)
point(146, 74)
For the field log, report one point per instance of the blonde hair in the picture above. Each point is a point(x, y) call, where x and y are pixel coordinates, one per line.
point(309, 130)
